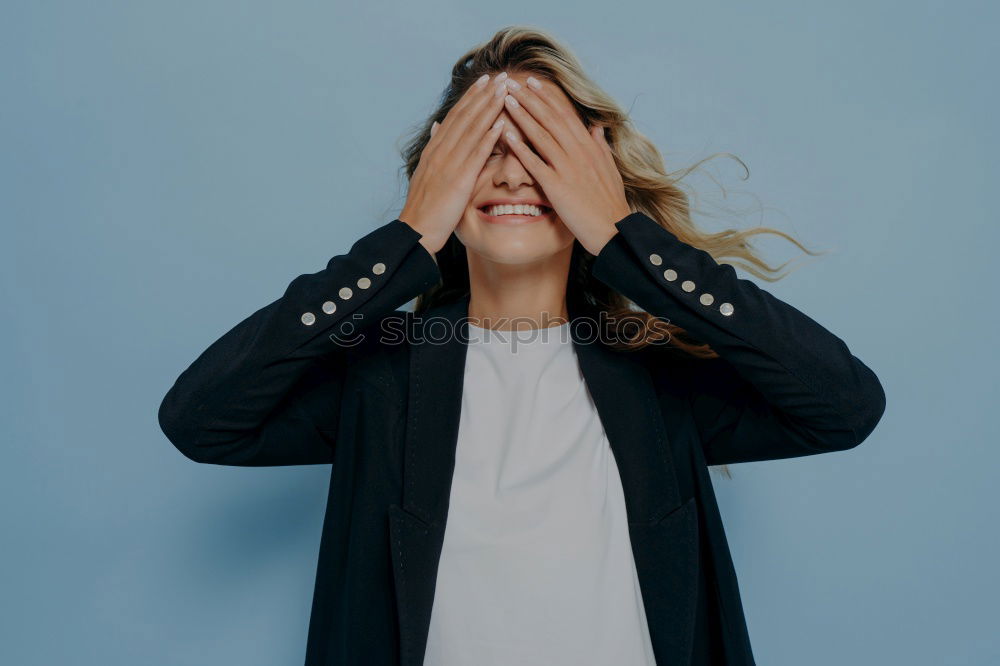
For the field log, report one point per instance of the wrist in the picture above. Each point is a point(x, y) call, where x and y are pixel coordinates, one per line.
point(602, 240)
point(430, 246)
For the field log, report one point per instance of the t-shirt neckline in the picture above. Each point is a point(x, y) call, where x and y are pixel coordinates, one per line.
point(550, 335)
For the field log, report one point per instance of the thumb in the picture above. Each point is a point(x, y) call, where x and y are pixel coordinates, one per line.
point(597, 131)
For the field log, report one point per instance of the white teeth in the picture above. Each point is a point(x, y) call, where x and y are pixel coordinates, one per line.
point(519, 209)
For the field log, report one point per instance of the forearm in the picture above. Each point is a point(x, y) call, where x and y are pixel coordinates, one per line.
point(221, 401)
point(802, 369)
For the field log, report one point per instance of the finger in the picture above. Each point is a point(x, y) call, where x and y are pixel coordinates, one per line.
point(476, 126)
point(535, 165)
point(554, 113)
point(473, 119)
point(600, 137)
point(544, 142)
point(469, 97)
point(434, 127)
point(599, 132)
point(489, 112)
point(467, 104)
point(486, 145)
point(456, 111)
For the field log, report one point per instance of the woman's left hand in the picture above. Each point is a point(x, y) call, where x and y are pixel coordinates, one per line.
point(576, 168)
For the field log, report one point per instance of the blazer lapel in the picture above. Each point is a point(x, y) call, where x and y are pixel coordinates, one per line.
point(662, 527)
point(416, 529)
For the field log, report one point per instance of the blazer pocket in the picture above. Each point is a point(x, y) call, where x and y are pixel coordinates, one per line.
point(666, 554)
point(679, 513)
point(400, 517)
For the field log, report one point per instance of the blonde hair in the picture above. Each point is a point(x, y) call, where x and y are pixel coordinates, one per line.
point(649, 187)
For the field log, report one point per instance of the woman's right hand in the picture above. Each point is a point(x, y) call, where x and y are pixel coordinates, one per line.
point(450, 163)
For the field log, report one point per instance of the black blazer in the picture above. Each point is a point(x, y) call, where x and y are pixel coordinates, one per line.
point(333, 373)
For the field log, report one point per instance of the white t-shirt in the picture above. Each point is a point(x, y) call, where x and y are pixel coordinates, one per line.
point(537, 566)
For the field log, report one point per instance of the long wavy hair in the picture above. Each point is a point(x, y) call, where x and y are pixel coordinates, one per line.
point(649, 188)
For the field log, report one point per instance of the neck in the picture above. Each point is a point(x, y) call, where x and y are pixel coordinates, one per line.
point(519, 296)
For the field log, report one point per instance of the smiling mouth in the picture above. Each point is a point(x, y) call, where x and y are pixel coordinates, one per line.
point(514, 218)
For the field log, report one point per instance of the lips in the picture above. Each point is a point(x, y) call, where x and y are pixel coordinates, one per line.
point(513, 218)
point(499, 202)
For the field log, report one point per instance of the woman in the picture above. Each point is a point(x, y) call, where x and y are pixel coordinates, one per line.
point(535, 499)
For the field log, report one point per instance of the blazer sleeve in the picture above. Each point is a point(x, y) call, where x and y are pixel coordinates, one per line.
point(783, 385)
point(268, 391)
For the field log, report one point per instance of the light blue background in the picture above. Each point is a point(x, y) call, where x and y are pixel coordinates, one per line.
point(168, 168)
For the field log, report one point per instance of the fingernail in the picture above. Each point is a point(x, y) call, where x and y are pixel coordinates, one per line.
point(534, 83)
point(500, 90)
point(511, 83)
point(501, 76)
point(481, 81)
point(513, 102)
point(510, 136)
point(498, 123)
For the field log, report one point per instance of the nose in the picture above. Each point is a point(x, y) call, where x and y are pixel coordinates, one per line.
point(512, 173)
point(510, 170)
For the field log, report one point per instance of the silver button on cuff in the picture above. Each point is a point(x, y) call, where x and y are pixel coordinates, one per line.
point(329, 307)
point(378, 268)
point(688, 285)
point(364, 283)
point(308, 318)
point(345, 293)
